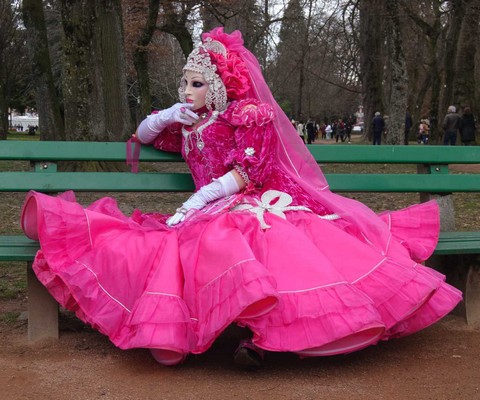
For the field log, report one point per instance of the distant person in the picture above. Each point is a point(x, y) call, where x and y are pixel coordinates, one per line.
point(322, 131)
point(348, 130)
point(340, 132)
point(334, 128)
point(328, 132)
point(451, 125)
point(378, 126)
point(423, 131)
point(311, 129)
point(301, 130)
point(467, 127)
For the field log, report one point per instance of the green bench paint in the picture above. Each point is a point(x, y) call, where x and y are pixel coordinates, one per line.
point(435, 179)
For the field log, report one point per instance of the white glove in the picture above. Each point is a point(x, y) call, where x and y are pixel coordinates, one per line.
point(224, 186)
point(151, 126)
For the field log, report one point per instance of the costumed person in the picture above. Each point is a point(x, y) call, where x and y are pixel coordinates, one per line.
point(247, 247)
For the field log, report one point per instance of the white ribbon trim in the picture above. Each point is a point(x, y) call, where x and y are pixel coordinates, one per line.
point(329, 217)
point(282, 203)
point(265, 204)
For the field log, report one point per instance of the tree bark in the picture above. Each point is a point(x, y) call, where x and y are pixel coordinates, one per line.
point(96, 107)
point(48, 104)
point(175, 24)
point(465, 82)
point(118, 124)
point(140, 58)
point(3, 104)
point(432, 31)
point(398, 79)
point(371, 59)
point(451, 48)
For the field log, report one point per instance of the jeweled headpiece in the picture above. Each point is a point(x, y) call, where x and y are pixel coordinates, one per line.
point(200, 61)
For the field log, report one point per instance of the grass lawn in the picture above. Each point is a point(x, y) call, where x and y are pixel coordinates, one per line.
point(12, 135)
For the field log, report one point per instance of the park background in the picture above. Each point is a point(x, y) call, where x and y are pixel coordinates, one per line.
point(93, 69)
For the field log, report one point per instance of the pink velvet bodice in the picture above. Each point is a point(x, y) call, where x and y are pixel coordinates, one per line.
point(241, 137)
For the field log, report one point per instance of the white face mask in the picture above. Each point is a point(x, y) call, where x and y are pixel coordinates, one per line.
point(196, 89)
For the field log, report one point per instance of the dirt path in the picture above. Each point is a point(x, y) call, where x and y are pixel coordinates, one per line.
point(441, 362)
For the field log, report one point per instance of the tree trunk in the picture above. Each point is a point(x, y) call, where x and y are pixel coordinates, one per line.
point(118, 124)
point(451, 43)
point(96, 107)
point(435, 134)
point(3, 102)
point(465, 84)
point(398, 82)
point(176, 24)
point(48, 104)
point(80, 86)
point(432, 30)
point(302, 66)
point(371, 59)
point(140, 58)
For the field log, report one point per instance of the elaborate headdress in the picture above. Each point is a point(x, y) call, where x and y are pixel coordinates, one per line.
point(221, 67)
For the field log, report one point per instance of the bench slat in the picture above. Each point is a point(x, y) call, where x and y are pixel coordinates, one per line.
point(393, 183)
point(182, 182)
point(95, 182)
point(115, 151)
point(78, 151)
point(396, 154)
point(17, 248)
point(20, 248)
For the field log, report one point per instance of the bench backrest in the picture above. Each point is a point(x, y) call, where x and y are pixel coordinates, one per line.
point(45, 178)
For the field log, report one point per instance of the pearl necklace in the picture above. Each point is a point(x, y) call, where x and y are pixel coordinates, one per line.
point(197, 132)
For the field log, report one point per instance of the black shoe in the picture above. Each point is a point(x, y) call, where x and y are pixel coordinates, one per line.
point(248, 356)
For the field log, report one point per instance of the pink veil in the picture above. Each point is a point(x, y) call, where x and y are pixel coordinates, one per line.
point(294, 157)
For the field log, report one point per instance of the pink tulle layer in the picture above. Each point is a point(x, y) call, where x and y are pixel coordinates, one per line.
point(304, 285)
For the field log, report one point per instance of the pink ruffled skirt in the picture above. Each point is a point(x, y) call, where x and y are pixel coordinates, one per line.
point(303, 285)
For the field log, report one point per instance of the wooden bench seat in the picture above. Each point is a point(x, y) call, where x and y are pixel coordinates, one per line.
point(432, 178)
point(21, 248)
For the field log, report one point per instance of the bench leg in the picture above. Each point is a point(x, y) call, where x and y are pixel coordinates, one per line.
point(42, 310)
point(454, 267)
point(472, 296)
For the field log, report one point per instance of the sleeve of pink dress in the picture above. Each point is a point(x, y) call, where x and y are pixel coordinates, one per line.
point(170, 139)
point(254, 140)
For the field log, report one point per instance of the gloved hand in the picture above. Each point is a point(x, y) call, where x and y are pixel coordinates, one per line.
point(151, 126)
point(224, 186)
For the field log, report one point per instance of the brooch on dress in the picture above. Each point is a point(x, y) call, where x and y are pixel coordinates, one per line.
point(249, 151)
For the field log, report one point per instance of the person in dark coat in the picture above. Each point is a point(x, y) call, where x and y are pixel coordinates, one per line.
point(467, 127)
point(378, 125)
point(311, 128)
point(451, 125)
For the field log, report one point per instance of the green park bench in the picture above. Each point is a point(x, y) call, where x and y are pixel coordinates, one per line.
point(431, 178)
